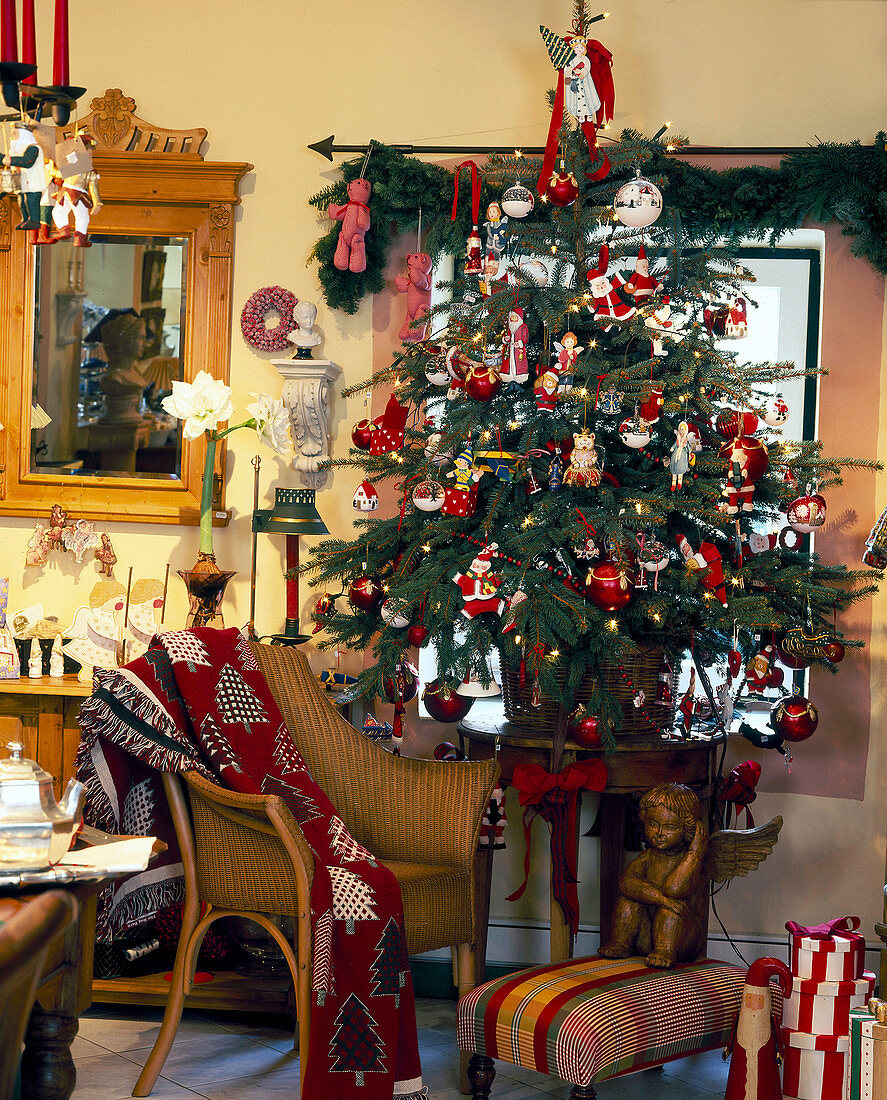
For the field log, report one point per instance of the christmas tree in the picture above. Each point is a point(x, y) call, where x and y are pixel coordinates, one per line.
point(587, 476)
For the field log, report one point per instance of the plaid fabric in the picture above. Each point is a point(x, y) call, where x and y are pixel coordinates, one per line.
point(585, 1020)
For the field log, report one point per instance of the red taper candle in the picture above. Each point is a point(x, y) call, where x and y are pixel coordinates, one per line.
point(8, 32)
point(292, 581)
point(29, 39)
point(60, 65)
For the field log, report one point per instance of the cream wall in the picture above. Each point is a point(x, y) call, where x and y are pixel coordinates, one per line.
point(270, 76)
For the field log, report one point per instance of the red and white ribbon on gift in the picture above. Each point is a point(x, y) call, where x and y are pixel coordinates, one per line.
point(814, 1065)
point(823, 1008)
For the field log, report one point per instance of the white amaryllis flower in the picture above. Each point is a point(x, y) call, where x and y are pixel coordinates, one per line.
point(203, 404)
point(272, 422)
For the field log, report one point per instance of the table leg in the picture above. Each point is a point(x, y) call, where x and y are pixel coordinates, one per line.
point(613, 811)
point(483, 874)
point(47, 1066)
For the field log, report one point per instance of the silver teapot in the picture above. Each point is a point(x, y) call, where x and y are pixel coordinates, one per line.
point(35, 830)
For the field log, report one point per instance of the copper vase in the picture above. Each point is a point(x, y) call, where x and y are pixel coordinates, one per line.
point(206, 585)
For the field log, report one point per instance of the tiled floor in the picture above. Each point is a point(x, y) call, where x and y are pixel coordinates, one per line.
point(222, 1057)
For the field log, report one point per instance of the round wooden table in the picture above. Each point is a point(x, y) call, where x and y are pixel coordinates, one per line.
point(638, 764)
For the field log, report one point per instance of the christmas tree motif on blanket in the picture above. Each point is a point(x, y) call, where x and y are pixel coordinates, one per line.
point(322, 981)
point(301, 806)
point(183, 646)
point(246, 655)
point(138, 809)
point(344, 844)
point(352, 898)
point(356, 1047)
point(216, 746)
point(236, 701)
point(159, 661)
point(387, 971)
point(285, 752)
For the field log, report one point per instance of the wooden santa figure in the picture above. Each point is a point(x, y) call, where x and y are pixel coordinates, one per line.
point(642, 284)
point(479, 587)
point(754, 1062)
point(514, 348)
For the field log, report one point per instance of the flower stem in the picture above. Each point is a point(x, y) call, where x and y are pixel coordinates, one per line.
point(206, 496)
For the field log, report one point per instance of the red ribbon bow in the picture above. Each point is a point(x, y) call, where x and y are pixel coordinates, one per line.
point(839, 926)
point(554, 798)
point(475, 191)
point(738, 790)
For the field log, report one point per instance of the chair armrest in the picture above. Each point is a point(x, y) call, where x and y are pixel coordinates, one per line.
point(423, 811)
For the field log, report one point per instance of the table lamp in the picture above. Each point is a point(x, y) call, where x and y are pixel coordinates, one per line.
point(294, 513)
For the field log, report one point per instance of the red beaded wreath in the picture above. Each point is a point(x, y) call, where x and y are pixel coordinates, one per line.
point(259, 305)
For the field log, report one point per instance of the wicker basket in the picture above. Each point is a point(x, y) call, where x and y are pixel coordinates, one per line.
point(641, 673)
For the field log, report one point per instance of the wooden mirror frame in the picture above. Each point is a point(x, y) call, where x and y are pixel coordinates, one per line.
point(153, 182)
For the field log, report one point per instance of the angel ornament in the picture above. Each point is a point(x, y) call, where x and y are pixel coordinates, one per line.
point(662, 908)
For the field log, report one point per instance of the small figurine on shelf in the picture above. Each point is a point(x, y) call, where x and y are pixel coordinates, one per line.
point(78, 194)
point(56, 658)
point(35, 660)
point(307, 335)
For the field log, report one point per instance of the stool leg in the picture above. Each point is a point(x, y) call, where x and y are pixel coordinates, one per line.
point(481, 1073)
point(580, 1092)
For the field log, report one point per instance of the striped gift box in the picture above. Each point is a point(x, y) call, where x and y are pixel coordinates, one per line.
point(839, 959)
point(823, 1008)
point(588, 1019)
point(814, 1065)
point(867, 1068)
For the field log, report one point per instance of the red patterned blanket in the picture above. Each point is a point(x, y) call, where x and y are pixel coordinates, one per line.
point(198, 700)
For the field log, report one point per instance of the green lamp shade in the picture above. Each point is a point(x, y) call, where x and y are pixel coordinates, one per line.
point(294, 513)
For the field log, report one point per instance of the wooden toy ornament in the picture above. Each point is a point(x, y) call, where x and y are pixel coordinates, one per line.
point(754, 1049)
point(473, 250)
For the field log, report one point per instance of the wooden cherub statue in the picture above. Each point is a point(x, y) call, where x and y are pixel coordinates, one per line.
point(662, 908)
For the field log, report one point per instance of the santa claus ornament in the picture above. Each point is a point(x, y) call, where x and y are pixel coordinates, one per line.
point(754, 1051)
point(642, 284)
point(663, 323)
point(606, 301)
point(775, 412)
point(473, 248)
point(747, 461)
point(707, 563)
point(585, 88)
point(515, 368)
point(638, 203)
point(479, 586)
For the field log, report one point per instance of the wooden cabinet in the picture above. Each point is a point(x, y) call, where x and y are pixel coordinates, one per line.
point(47, 710)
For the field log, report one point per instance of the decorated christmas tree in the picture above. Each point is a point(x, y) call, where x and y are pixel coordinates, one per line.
point(590, 480)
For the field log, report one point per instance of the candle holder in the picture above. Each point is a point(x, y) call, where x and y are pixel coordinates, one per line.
point(294, 513)
point(59, 97)
point(12, 73)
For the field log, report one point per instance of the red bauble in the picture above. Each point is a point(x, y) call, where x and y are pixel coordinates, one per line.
point(754, 452)
point(362, 433)
point(834, 652)
point(417, 634)
point(482, 383)
point(794, 718)
point(403, 685)
point(585, 728)
point(732, 423)
point(444, 704)
point(562, 189)
point(365, 593)
point(607, 586)
point(806, 513)
point(446, 750)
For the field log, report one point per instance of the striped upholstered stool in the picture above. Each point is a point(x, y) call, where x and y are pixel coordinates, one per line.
point(585, 1020)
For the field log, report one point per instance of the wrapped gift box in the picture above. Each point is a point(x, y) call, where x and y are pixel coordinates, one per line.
point(814, 1065)
point(867, 1064)
point(823, 1008)
point(838, 958)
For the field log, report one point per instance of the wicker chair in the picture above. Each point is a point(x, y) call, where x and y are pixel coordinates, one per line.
point(27, 931)
point(244, 855)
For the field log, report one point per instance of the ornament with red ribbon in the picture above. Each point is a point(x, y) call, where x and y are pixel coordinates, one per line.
point(840, 927)
point(555, 798)
point(585, 88)
point(400, 689)
point(737, 791)
point(474, 264)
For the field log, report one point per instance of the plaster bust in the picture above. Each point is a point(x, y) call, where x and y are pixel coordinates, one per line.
point(306, 336)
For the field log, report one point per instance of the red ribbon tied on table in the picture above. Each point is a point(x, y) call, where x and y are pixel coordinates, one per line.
point(840, 926)
point(554, 798)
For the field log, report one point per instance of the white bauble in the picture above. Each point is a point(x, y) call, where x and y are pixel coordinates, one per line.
point(638, 203)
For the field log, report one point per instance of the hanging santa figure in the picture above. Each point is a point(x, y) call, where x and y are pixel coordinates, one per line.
point(515, 368)
point(754, 1050)
point(479, 587)
point(738, 487)
point(736, 324)
point(708, 563)
point(77, 198)
point(642, 284)
point(606, 299)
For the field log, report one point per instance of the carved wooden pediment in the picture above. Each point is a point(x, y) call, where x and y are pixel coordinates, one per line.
point(115, 126)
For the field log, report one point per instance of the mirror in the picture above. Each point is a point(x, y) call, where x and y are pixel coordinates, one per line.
point(109, 331)
point(91, 338)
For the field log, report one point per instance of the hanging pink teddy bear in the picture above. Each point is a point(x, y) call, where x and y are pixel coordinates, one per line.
point(416, 284)
point(355, 218)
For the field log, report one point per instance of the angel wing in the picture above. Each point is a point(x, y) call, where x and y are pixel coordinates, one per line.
point(559, 51)
point(735, 852)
